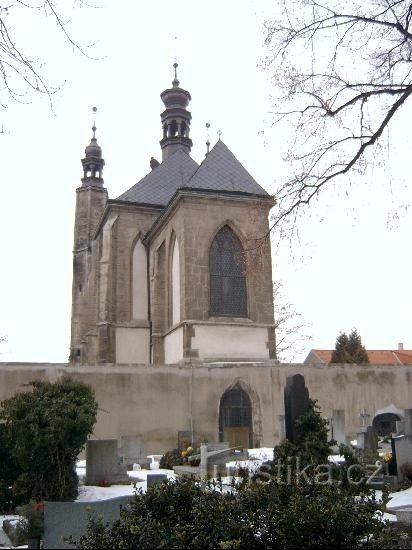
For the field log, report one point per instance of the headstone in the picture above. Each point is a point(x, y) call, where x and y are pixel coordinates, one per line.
point(155, 479)
point(338, 426)
point(296, 397)
point(371, 439)
point(402, 446)
point(131, 449)
point(392, 465)
point(184, 438)
point(62, 519)
point(400, 427)
point(408, 422)
point(361, 438)
point(103, 465)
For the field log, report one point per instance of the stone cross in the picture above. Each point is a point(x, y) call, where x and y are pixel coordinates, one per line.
point(364, 417)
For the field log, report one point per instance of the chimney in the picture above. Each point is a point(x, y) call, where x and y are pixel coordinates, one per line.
point(154, 163)
point(400, 346)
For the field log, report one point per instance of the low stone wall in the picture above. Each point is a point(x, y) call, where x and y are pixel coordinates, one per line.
point(153, 403)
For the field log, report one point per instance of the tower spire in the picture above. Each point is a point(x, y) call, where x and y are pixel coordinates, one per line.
point(175, 119)
point(175, 80)
point(93, 161)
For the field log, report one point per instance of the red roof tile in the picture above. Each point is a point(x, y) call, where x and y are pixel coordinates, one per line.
point(376, 357)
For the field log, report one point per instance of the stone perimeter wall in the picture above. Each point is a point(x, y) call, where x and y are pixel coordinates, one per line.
point(155, 402)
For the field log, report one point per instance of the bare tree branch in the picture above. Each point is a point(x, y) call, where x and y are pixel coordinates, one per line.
point(342, 75)
point(21, 74)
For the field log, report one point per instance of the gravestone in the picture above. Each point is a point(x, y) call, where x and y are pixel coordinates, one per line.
point(131, 449)
point(338, 426)
point(371, 439)
point(62, 519)
point(155, 479)
point(296, 397)
point(184, 438)
point(402, 445)
point(103, 464)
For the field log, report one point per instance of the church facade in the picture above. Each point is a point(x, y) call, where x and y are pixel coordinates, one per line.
point(178, 268)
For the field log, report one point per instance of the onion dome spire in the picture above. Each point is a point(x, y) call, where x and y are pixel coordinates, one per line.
point(175, 119)
point(93, 162)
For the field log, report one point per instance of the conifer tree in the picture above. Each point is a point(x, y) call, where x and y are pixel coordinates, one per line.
point(349, 349)
point(356, 350)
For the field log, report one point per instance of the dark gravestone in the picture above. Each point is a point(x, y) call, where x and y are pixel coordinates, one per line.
point(371, 439)
point(155, 479)
point(296, 402)
point(393, 465)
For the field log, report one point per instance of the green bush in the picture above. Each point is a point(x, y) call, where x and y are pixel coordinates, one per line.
point(189, 514)
point(45, 430)
point(9, 472)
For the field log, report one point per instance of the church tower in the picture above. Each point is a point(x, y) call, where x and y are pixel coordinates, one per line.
point(91, 200)
point(175, 119)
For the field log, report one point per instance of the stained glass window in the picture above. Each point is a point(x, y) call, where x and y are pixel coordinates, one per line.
point(227, 275)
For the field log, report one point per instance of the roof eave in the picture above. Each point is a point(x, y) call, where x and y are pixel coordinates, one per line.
point(190, 191)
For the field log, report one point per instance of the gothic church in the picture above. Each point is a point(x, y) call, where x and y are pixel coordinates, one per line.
point(178, 268)
point(172, 312)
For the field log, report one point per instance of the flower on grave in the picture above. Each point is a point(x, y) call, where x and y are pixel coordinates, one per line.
point(184, 454)
point(387, 457)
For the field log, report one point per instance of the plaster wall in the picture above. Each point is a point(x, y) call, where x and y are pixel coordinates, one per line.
point(230, 342)
point(132, 345)
point(174, 346)
point(154, 402)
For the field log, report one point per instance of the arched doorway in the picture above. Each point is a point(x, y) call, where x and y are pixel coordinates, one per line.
point(385, 424)
point(235, 418)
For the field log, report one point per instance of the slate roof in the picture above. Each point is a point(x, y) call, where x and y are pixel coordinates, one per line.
point(376, 357)
point(219, 171)
point(159, 185)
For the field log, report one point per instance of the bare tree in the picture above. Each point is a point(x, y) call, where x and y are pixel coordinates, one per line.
point(290, 328)
point(20, 72)
point(344, 71)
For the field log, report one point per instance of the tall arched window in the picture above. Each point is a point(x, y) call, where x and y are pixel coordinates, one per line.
point(175, 280)
point(227, 275)
point(139, 282)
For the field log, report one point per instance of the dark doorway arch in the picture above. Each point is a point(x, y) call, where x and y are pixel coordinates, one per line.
point(385, 424)
point(235, 418)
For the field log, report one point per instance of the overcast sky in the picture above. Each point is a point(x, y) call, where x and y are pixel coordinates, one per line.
point(350, 266)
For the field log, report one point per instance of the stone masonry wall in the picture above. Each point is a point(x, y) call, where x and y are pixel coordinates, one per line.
point(155, 402)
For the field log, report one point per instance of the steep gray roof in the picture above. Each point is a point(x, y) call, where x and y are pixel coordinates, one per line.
point(159, 185)
point(219, 171)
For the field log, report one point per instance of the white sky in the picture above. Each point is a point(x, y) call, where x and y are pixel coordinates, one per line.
point(350, 267)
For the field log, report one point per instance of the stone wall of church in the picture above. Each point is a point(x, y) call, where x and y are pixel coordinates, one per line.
point(155, 402)
point(194, 222)
point(106, 313)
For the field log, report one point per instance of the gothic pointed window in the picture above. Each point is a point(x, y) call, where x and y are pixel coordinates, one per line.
point(227, 275)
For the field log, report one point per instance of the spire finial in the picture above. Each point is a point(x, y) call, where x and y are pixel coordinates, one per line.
point(94, 109)
point(207, 138)
point(219, 133)
point(175, 81)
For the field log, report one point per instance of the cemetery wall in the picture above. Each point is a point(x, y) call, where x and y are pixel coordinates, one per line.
point(153, 403)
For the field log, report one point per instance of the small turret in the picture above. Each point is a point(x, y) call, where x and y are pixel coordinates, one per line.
point(93, 161)
point(175, 119)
